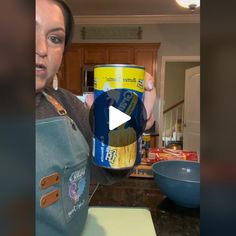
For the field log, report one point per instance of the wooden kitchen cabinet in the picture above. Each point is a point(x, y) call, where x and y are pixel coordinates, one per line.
point(147, 57)
point(78, 56)
point(121, 55)
point(95, 54)
point(71, 74)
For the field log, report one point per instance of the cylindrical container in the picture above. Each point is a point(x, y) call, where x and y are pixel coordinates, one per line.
point(125, 79)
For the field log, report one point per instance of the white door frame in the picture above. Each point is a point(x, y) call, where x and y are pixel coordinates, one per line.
point(162, 84)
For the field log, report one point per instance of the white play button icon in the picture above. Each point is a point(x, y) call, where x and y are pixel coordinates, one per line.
point(116, 118)
point(111, 117)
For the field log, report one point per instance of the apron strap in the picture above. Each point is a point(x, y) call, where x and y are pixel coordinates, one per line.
point(59, 108)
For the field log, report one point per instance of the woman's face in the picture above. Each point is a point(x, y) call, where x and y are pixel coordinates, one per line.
point(50, 40)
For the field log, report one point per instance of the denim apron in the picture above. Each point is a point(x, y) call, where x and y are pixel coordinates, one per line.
point(62, 175)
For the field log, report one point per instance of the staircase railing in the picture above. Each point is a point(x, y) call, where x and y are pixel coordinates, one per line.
point(173, 118)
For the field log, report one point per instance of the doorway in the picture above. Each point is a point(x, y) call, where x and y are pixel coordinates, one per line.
point(172, 99)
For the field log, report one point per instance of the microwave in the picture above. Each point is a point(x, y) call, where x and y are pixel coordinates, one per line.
point(88, 78)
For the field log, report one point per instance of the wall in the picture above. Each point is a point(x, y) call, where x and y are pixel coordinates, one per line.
point(175, 39)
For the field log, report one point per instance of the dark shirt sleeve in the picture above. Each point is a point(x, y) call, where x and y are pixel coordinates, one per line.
point(80, 114)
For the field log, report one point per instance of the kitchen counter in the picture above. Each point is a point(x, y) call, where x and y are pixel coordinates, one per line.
point(168, 218)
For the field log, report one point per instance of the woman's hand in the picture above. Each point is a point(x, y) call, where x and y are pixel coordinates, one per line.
point(149, 99)
point(89, 100)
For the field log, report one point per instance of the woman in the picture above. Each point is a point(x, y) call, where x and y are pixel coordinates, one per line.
point(63, 163)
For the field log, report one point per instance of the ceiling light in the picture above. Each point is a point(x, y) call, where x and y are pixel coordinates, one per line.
point(191, 4)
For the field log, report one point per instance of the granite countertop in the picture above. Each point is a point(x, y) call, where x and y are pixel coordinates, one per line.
point(168, 218)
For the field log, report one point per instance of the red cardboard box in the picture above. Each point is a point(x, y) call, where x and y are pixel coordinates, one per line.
point(161, 154)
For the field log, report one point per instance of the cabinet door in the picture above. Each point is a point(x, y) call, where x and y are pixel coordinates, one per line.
point(121, 55)
point(95, 55)
point(72, 80)
point(61, 74)
point(146, 57)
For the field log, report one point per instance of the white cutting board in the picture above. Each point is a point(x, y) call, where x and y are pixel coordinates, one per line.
point(119, 221)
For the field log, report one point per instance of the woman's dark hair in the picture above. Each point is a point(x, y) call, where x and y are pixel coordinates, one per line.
point(69, 22)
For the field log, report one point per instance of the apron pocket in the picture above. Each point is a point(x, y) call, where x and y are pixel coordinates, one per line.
point(75, 191)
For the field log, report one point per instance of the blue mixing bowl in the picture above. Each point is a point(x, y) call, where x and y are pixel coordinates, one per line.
point(179, 180)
